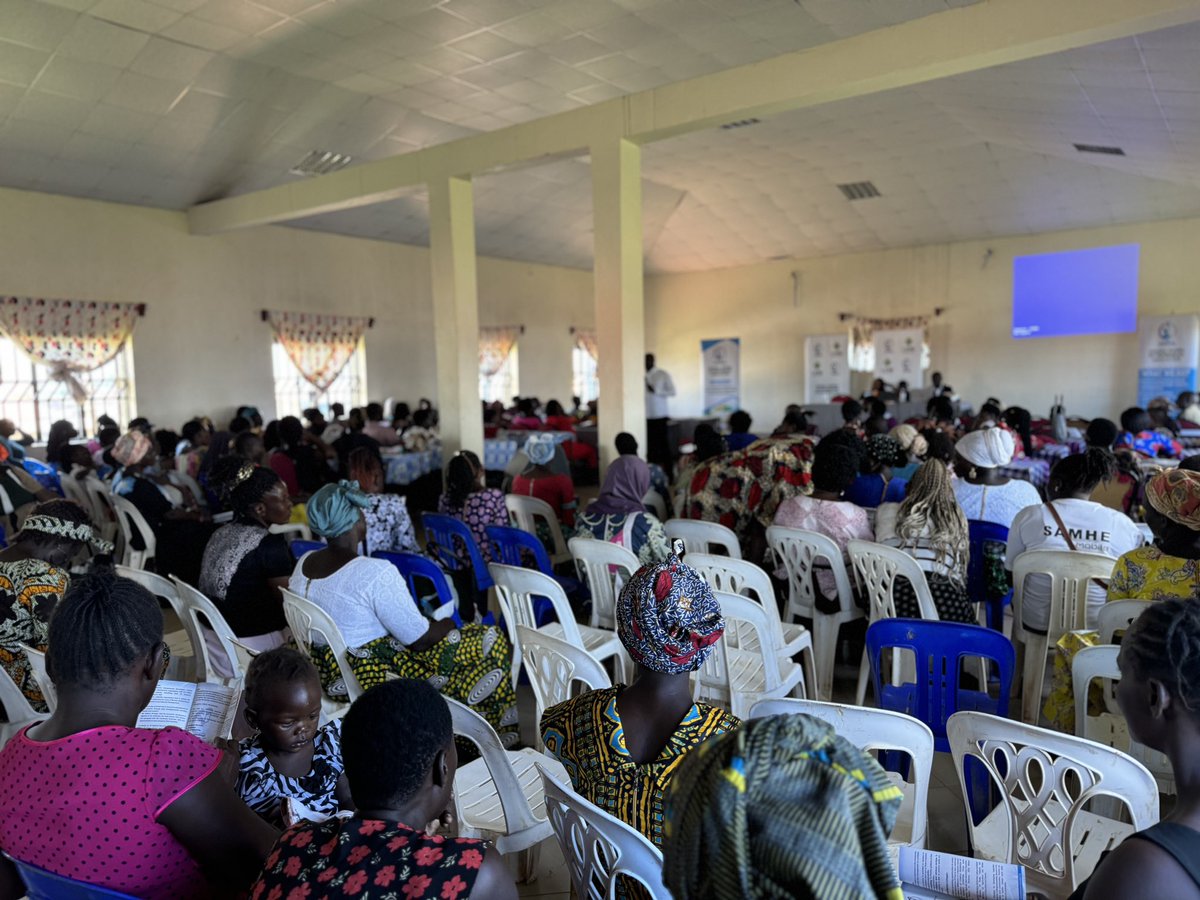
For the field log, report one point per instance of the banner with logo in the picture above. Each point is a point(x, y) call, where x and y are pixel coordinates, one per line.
point(1170, 356)
point(826, 367)
point(721, 360)
point(898, 356)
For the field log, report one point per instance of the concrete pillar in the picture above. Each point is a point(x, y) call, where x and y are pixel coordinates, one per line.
point(618, 277)
point(455, 313)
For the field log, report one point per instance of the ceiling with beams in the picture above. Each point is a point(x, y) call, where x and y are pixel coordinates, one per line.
point(171, 102)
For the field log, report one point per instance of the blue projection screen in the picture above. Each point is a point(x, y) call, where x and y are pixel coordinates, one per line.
point(1077, 292)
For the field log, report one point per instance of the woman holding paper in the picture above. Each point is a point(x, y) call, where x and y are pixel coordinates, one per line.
point(92, 797)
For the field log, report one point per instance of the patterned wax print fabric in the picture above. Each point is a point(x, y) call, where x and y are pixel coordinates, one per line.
point(585, 734)
point(29, 591)
point(368, 859)
point(263, 789)
point(481, 509)
point(740, 489)
point(389, 526)
point(1149, 574)
point(640, 533)
point(1149, 443)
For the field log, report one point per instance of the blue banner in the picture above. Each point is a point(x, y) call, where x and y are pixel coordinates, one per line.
point(721, 361)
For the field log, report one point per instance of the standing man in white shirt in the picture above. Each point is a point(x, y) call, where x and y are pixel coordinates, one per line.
point(659, 387)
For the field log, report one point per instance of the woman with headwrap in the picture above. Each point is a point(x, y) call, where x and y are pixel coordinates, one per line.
point(1170, 567)
point(876, 483)
point(622, 745)
point(981, 490)
point(618, 515)
point(244, 565)
point(538, 480)
point(914, 448)
point(384, 630)
point(34, 574)
point(781, 807)
point(931, 528)
point(180, 532)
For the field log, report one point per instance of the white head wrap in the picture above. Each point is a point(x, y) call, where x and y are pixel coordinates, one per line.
point(987, 448)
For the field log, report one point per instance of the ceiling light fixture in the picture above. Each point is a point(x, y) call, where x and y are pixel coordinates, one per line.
point(320, 162)
point(859, 190)
point(1099, 148)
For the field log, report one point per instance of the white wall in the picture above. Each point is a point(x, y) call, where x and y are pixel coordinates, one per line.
point(970, 342)
point(201, 347)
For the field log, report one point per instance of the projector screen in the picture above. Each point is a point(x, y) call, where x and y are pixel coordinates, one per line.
point(1077, 292)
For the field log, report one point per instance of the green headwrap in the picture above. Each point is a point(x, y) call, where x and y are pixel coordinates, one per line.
point(335, 508)
point(781, 807)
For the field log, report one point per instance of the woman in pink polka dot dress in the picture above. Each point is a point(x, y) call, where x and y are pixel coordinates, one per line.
point(88, 795)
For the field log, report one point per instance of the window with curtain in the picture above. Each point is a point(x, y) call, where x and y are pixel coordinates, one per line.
point(498, 364)
point(295, 393)
point(584, 382)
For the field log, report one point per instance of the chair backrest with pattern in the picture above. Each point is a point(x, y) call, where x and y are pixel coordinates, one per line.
point(515, 590)
point(1116, 616)
point(800, 551)
point(515, 546)
point(161, 586)
point(518, 815)
point(602, 565)
point(600, 848)
point(206, 619)
point(878, 567)
point(1070, 573)
point(716, 669)
point(129, 519)
point(701, 537)
point(740, 576)
point(444, 536)
point(524, 512)
point(305, 619)
point(554, 666)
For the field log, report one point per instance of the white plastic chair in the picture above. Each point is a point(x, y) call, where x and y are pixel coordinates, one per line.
point(17, 710)
point(213, 634)
point(799, 550)
point(877, 567)
point(523, 513)
point(186, 668)
point(104, 517)
point(305, 619)
point(1070, 573)
point(499, 796)
point(871, 730)
point(1109, 728)
point(129, 518)
point(655, 503)
point(37, 665)
point(554, 666)
point(740, 576)
point(184, 480)
point(1116, 616)
point(701, 537)
point(74, 491)
point(605, 566)
point(1048, 779)
point(515, 590)
point(599, 848)
point(737, 679)
point(298, 531)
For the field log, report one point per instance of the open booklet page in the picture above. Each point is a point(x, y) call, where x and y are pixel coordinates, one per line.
point(205, 710)
point(932, 875)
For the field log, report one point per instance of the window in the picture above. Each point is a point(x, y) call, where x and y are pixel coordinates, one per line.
point(294, 393)
point(584, 383)
point(32, 400)
point(502, 384)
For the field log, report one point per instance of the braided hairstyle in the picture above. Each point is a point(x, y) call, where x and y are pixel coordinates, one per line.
point(101, 627)
point(1163, 643)
point(282, 665)
point(241, 493)
point(930, 513)
point(1081, 472)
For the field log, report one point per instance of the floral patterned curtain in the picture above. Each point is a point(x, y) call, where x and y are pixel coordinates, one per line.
point(318, 345)
point(68, 336)
point(494, 346)
point(862, 339)
point(586, 338)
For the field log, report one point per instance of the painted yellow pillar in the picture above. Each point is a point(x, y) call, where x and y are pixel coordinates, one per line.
point(618, 277)
point(455, 313)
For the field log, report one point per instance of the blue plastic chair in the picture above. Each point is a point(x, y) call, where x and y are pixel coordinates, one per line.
point(981, 533)
point(46, 475)
point(41, 884)
point(444, 535)
point(299, 547)
point(414, 567)
point(940, 648)
point(514, 547)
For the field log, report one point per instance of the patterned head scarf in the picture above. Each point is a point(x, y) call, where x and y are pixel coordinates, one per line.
point(68, 531)
point(1176, 494)
point(540, 448)
point(336, 508)
point(885, 450)
point(780, 807)
point(910, 440)
point(668, 618)
point(986, 448)
point(131, 447)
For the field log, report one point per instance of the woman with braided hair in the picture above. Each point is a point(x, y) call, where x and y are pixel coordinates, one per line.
point(930, 526)
point(245, 565)
point(1159, 695)
point(89, 795)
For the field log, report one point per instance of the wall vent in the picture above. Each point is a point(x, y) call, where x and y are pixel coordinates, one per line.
point(859, 190)
point(1099, 148)
point(320, 162)
point(740, 123)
